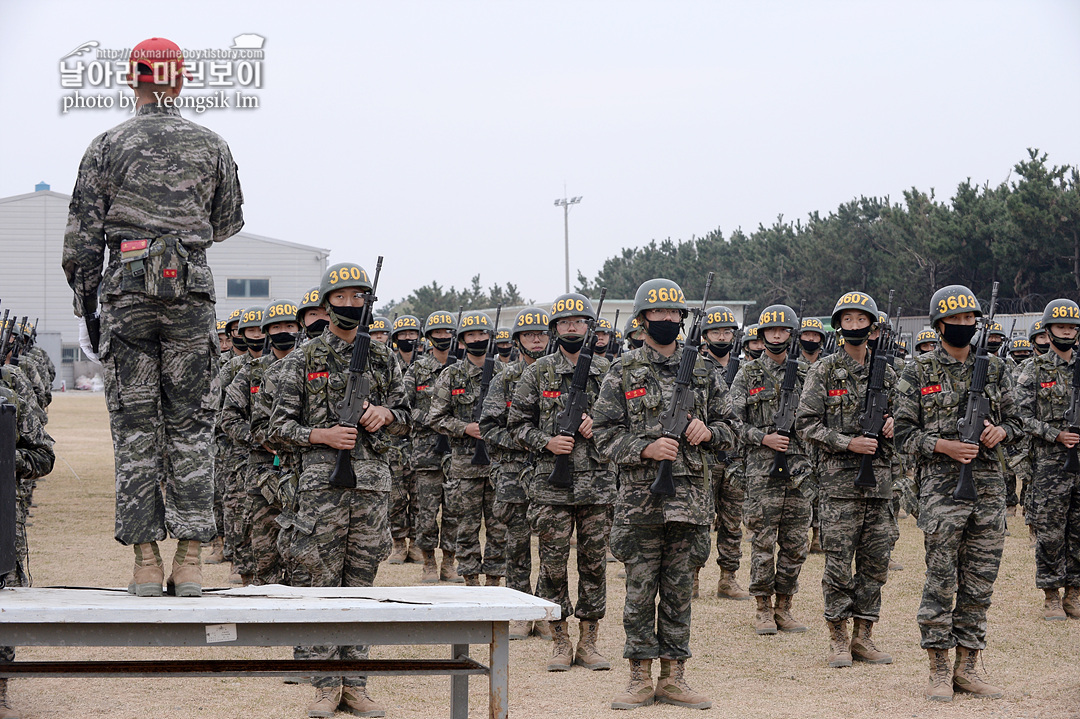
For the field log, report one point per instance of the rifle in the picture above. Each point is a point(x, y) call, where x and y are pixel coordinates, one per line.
point(1072, 416)
point(5, 335)
point(351, 407)
point(676, 418)
point(1004, 349)
point(577, 402)
point(972, 424)
point(480, 454)
point(784, 419)
point(91, 318)
point(442, 443)
point(33, 333)
point(17, 344)
point(733, 362)
point(872, 419)
point(609, 351)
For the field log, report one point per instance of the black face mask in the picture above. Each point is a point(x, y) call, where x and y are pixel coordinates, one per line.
point(570, 342)
point(504, 350)
point(316, 328)
point(406, 345)
point(283, 341)
point(240, 343)
point(957, 336)
point(1041, 347)
point(256, 347)
point(753, 354)
point(346, 318)
point(778, 347)
point(1062, 344)
point(533, 354)
point(855, 337)
point(637, 343)
point(720, 349)
point(809, 347)
point(442, 343)
point(664, 332)
point(993, 347)
point(478, 348)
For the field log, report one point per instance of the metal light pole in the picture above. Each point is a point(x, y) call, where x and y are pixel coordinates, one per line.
point(565, 204)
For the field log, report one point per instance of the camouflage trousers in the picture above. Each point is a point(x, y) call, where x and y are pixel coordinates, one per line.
point(261, 528)
point(1056, 518)
point(472, 502)
point(658, 563)
point(158, 363)
point(234, 501)
point(779, 519)
point(515, 517)
point(729, 498)
point(402, 503)
point(963, 542)
point(350, 537)
point(555, 523)
point(862, 531)
point(432, 494)
point(219, 484)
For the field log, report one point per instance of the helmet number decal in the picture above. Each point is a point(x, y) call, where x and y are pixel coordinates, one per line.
point(854, 298)
point(282, 310)
point(568, 305)
point(1063, 311)
point(774, 316)
point(957, 302)
point(346, 274)
point(532, 318)
point(665, 294)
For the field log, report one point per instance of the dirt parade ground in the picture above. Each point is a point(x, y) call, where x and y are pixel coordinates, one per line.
point(748, 676)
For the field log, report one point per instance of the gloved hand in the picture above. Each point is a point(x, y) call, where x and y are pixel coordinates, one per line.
point(84, 341)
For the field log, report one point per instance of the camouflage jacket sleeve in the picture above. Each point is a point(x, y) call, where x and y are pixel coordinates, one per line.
point(262, 404)
point(84, 238)
point(810, 422)
point(226, 212)
point(611, 422)
point(524, 417)
point(34, 455)
point(719, 416)
point(395, 399)
point(910, 435)
point(236, 408)
point(286, 421)
point(1027, 391)
point(747, 434)
point(493, 417)
point(441, 414)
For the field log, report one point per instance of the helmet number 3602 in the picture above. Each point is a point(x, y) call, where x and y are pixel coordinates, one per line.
point(665, 294)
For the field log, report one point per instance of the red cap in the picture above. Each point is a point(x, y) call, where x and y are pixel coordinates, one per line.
point(164, 57)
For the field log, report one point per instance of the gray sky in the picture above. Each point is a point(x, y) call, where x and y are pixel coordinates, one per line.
point(439, 133)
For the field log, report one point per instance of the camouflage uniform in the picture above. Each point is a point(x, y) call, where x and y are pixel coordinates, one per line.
point(339, 535)
point(1043, 394)
point(432, 486)
point(777, 510)
point(964, 540)
point(472, 495)
point(34, 458)
point(233, 473)
point(403, 482)
point(510, 465)
point(656, 537)
point(729, 496)
point(539, 397)
point(160, 178)
point(45, 363)
point(859, 523)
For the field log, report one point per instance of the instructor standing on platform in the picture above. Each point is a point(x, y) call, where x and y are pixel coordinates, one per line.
point(156, 190)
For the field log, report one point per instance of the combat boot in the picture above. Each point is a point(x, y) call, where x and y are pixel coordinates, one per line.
point(764, 623)
point(356, 701)
point(491, 580)
point(562, 653)
point(519, 629)
point(149, 571)
point(472, 580)
point(326, 702)
point(398, 553)
point(785, 621)
point(542, 629)
point(815, 542)
point(588, 655)
point(895, 566)
point(447, 572)
point(966, 676)
point(430, 572)
point(639, 691)
point(728, 587)
point(246, 580)
point(415, 555)
point(940, 687)
point(862, 644)
point(1071, 602)
point(185, 580)
point(839, 648)
point(1052, 609)
point(671, 687)
point(216, 555)
point(6, 712)
point(697, 584)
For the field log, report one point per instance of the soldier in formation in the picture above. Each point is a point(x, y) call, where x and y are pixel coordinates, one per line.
point(404, 333)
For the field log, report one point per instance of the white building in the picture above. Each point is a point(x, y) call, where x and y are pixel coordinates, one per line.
point(248, 270)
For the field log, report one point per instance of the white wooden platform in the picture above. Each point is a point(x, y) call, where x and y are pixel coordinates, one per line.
point(275, 615)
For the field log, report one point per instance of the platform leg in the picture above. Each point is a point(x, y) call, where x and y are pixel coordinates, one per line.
point(499, 671)
point(459, 686)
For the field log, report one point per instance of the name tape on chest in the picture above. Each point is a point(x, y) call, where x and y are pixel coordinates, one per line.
point(456, 392)
point(1047, 385)
point(421, 387)
point(255, 389)
point(837, 392)
point(312, 376)
point(168, 273)
point(931, 389)
point(552, 393)
point(635, 393)
point(754, 390)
